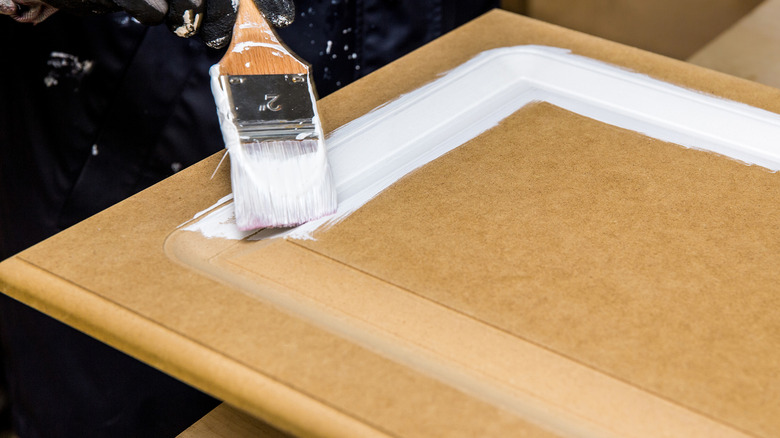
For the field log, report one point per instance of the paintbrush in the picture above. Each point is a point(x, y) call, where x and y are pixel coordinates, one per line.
point(268, 114)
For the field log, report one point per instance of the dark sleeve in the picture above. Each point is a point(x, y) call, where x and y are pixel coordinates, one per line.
point(93, 110)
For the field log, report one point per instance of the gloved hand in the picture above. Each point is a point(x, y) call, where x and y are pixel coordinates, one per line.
point(211, 20)
point(26, 11)
point(219, 17)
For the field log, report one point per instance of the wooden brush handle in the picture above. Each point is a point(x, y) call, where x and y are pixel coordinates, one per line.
point(255, 48)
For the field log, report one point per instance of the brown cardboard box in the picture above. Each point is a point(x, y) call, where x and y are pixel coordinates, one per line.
point(749, 48)
point(675, 28)
point(616, 285)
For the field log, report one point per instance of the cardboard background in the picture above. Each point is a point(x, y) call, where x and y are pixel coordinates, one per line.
point(748, 49)
point(675, 28)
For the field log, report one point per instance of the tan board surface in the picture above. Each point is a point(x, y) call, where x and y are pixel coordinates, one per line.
point(228, 422)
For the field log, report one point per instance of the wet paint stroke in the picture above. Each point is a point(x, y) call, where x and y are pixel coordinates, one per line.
point(374, 151)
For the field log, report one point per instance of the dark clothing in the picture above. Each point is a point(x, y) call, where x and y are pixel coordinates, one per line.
point(93, 110)
point(346, 39)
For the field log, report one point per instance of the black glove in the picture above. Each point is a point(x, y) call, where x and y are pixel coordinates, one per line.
point(26, 11)
point(211, 20)
point(184, 17)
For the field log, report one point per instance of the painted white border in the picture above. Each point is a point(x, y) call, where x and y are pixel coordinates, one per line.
point(372, 152)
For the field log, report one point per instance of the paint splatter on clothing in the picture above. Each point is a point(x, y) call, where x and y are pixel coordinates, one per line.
point(347, 39)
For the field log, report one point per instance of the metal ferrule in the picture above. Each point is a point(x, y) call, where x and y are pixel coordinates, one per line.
point(271, 106)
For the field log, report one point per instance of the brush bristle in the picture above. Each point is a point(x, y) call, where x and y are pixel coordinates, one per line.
point(281, 183)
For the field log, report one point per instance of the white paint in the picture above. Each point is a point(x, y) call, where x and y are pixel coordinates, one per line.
point(190, 24)
point(196, 21)
point(295, 188)
point(220, 223)
point(65, 65)
point(240, 47)
point(224, 113)
point(219, 42)
point(375, 150)
point(282, 21)
point(262, 26)
point(281, 183)
point(221, 201)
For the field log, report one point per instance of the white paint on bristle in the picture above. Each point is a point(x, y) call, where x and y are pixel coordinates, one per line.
point(280, 183)
point(374, 151)
point(275, 183)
